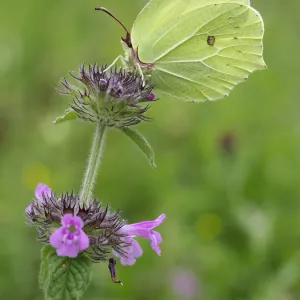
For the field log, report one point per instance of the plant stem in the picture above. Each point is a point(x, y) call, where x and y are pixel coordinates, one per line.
point(94, 160)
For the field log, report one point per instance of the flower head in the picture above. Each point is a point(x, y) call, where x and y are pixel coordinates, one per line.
point(142, 229)
point(109, 96)
point(72, 227)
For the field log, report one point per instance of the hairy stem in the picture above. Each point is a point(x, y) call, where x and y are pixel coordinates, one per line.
point(94, 160)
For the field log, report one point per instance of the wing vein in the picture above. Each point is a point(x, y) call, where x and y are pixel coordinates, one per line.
point(236, 58)
point(184, 95)
point(190, 80)
point(221, 72)
point(187, 38)
point(226, 24)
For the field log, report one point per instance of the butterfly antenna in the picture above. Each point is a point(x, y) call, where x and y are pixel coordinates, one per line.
point(127, 40)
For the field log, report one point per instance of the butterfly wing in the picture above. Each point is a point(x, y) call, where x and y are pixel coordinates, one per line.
point(200, 49)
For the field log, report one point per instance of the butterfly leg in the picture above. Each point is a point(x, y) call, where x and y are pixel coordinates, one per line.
point(120, 57)
point(141, 74)
point(125, 65)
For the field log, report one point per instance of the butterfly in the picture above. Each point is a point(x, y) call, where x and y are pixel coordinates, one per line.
point(194, 50)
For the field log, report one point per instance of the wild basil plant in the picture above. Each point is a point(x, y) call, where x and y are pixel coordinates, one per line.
point(78, 229)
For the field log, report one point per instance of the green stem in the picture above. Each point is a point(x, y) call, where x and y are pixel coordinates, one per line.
point(94, 160)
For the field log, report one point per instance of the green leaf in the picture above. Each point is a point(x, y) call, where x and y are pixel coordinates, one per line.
point(141, 142)
point(63, 278)
point(44, 271)
point(69, 114)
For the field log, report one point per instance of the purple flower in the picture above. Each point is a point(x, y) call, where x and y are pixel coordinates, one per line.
point(69, 239)
point(42, 191)
point(142, 229)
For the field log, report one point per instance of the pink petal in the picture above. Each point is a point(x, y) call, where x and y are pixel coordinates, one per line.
point(68, 250)
point(42, 189)
point(151, 224)
point(155, 240)
point(137, 250)
point(84, 241)
point(132, 252)
point(67, 219)
point(142, 228)
point(56, 238)
point(127, 261)
point(157, 236)
point(78, 222)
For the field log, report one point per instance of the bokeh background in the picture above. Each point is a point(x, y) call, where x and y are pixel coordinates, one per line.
point(228, 173)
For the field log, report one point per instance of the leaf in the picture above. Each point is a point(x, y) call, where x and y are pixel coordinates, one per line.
point(141, 142)
point(63, 278)
point(69, 114)
point(44, 271)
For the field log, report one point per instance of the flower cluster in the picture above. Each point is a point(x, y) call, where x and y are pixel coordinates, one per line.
point(111, 97)
point(72, 227)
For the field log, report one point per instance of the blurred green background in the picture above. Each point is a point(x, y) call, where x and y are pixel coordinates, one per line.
point(228, 173)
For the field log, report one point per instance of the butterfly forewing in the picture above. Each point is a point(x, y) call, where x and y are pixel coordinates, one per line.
point(202, 53)
point(158, 13)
